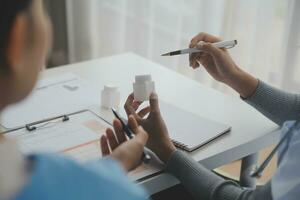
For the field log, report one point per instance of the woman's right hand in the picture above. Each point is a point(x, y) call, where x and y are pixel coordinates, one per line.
point(216, 61)
point(219, 64)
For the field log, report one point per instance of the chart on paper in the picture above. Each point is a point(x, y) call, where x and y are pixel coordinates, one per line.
point(59, 136)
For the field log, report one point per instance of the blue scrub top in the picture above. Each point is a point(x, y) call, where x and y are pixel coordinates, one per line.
point(286, 181)
point(56, 177)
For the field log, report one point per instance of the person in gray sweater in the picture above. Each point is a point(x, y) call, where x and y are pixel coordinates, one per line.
point(277, 105)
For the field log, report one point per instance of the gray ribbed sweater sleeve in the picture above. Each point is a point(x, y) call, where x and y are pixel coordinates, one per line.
point(205, 185)
point(275, 104)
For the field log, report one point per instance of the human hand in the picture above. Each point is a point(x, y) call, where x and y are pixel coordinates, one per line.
point(127, 152)
point(219, 64)
point(216, 61)
point(159, 141)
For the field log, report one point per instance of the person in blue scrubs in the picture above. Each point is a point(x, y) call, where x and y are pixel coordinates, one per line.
point(25, 38)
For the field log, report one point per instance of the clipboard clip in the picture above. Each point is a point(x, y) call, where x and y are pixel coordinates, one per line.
point(34, 126)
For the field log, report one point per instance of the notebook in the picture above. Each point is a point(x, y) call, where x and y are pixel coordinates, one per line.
point(189, 131)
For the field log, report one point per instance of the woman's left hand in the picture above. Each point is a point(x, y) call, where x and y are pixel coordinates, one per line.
point(127, 152)
point(159, 140)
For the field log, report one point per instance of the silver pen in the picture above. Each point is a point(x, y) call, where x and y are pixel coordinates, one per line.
point(223, 44)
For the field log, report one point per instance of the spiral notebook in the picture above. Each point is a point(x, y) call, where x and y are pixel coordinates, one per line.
point(189, 131)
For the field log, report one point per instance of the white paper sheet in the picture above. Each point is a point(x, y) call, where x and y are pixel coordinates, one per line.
point(59, 136)
point(52, 97)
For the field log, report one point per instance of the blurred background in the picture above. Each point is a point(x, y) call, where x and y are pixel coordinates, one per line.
point(267, 32)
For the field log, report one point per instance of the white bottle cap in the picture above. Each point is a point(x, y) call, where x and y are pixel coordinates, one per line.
point(110, 88)
point(140, 79)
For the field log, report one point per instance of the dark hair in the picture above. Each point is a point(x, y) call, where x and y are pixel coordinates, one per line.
point(8, 12)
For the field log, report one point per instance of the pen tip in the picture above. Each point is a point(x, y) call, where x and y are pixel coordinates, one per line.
point(165, 54)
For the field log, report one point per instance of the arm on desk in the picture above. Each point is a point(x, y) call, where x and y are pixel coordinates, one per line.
point(277, 105)
point(203, 184)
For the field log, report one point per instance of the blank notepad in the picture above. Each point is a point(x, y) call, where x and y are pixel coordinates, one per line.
point(189, 131)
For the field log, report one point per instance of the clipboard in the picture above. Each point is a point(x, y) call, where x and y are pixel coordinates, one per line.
point(71, 134)
point(62, 90)
point(66, 117)
point(82, 150)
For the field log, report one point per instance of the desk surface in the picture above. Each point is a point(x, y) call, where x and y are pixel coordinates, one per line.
point(251, 131)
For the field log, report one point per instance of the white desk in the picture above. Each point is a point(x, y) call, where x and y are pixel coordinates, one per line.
point(250, 130)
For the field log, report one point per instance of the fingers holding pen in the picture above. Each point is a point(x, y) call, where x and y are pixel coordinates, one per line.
point(195, 59)
point(113, 143)
point(140, 133)
point(209, 48)
point(119, 131)
point(113, 138)
point(205, 37)
point(104, 146)
point(202, 42)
